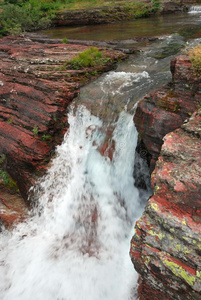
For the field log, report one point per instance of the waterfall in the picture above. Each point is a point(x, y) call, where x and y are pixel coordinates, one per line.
point(195, 9)
point(75, 245)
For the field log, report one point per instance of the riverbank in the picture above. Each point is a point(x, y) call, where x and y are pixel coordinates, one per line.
point(18, 17)
point(119, 11)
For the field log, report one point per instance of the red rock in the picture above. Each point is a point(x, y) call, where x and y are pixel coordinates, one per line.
point(166, 247)
point(12, 209)
point(34, 98)
point(165, 110)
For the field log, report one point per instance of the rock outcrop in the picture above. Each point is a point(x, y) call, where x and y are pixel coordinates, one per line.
point(35, 92)
point(166, 247)
point(166, 109)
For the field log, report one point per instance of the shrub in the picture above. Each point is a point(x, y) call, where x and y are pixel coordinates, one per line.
point(35, 130)
point(8, 181)
point(64, 41)
point(88, 58)
point(156, 5)
point(195, 57)
point(25, 16)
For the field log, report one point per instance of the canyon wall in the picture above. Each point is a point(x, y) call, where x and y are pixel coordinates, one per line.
point(166, 247)
point(35, 92)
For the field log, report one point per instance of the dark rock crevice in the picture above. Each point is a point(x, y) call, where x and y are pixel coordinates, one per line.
point(166, 246)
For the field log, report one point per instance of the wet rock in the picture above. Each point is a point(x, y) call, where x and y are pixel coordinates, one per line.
point(166, 246)
point(35, 93)
point(12, 209)
point(166, 109)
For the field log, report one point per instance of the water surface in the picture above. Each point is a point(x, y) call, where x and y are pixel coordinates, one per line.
point(184, 24)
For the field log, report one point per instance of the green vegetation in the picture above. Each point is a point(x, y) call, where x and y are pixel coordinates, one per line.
point(17, 16)
point(35, 130)
point(65, 41)
point(195, 57)
point(4, 176)
point(88, 58)
point(156, 5)
point(46, 137)
point(10, 120)
point(7, 180)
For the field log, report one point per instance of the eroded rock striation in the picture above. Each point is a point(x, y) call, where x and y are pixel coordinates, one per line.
point(35, 92)
point(166, 247)
point(166, 109)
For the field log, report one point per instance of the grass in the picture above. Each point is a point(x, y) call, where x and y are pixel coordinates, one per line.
point(4, 176)
point(35, 130)
point(65, 41)
point(195, 57)
point(88, 58)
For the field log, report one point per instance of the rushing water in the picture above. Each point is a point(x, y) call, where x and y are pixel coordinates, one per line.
point(75, 244)
point(72, 247)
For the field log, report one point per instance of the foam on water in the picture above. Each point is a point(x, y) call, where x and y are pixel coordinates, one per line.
point(76, 243)
point(119, 82)
point(195, 9)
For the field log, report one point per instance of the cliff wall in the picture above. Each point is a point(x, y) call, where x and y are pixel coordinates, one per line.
point(35, 92)
point(166, 247)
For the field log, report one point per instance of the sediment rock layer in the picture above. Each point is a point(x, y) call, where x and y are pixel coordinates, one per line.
point(166, 109)
point(166, 247)
point(35, 93)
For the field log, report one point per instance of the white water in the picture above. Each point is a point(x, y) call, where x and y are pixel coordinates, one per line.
point(76, 244)
point(195, 9)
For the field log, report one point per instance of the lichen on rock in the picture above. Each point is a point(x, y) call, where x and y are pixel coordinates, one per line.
point(166, 247)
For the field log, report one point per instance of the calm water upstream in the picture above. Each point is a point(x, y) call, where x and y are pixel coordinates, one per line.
point(188, 25)
point(75, 245)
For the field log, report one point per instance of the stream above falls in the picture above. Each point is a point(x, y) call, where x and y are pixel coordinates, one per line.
point(187, 25)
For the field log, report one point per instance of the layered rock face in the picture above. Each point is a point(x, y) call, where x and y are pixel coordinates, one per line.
point(166, 247)
point(166, 109)
point(34, 96)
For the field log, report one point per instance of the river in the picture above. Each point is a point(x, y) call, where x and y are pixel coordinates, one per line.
point(75, 245)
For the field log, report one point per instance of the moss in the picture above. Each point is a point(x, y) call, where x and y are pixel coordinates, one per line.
point(8, 181)
point(35, 130)
point(47, 137)
point(195, 57)
point(180, 272)
point(169, 102)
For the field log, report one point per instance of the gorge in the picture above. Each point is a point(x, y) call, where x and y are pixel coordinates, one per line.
point(75, 242)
